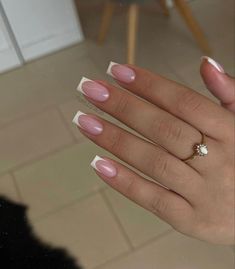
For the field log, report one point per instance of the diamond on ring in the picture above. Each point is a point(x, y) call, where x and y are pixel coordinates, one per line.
point(201, 149)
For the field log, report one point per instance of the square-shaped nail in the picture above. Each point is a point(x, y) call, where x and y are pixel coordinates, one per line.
point(88, 123)
point(104, 167)
point(121, 72)
point(93, 90)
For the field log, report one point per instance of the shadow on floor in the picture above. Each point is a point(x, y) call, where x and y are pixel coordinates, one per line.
point(20, 248)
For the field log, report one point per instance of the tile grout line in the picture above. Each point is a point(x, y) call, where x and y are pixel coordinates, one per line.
point(66, 125)
point(155, 238)
point(16, 187)
point(100, 266)
point(26, 116)
point(39, 158)
point(35, 113)
point(126, 254)
point(75, 141)
point(121, 228)
point(64, 206)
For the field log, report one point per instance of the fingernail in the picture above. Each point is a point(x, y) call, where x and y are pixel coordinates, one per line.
point(214, 63)
point(121, 72)
point(104, 167)
point(87, 123)
point(93, 90)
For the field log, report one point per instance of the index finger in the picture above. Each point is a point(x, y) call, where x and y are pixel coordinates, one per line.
point(184, 103)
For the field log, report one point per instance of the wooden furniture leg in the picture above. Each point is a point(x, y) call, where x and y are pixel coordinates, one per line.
point(105, 21)
point(164, 7)
point(193, 25)
point(133, 14)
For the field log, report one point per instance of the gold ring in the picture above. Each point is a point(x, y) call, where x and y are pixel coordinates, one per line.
point(199, 149)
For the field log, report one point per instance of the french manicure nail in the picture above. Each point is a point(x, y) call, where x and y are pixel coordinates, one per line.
point(87, 123)
point(214, 63)
point(121, 72)
point(104, 167)
point(93, 90)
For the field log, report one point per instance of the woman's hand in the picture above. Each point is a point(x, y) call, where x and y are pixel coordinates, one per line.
point(195, 196)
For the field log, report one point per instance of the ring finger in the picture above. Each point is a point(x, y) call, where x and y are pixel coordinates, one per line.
point(157, 125)
point(148, 158)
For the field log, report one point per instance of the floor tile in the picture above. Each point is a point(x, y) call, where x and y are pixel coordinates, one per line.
point(30, 138)
point(176, 251)
point(139, 224)
point(8, 188)
point(68, 72)
point(43, 83)
point(87, 229)
point(58, 59)
point(24, 92)
point(59, 179)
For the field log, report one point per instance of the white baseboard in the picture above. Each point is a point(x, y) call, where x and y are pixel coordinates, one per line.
point(9, 60)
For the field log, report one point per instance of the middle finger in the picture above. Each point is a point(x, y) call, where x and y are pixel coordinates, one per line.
point(154, 123)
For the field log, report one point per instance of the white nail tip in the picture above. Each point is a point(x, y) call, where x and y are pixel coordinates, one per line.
point(75, 119)
point(93, 163)
point(79, 87)
point(214, 63)
point(109, 71)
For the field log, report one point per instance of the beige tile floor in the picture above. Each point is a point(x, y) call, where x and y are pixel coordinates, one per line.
point(44, 160)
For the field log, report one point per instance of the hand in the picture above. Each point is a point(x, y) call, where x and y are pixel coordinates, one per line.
point(196, 197)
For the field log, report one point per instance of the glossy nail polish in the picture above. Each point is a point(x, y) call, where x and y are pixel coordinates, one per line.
point(121, 72)
point(88, 123)
point(104, 167)
point(213, 63)
point(93, 90)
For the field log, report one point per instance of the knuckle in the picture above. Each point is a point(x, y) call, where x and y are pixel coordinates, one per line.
point(189, 102)
point(159, 165)
point(122, 105)
point(159, 206)
point(167, 129)
point(115, 141)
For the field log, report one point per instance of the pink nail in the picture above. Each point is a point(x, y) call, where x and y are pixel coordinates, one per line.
point(104, 167)
point(88, 123)
point(93, 90)
point(121, 72)
point(216, 65)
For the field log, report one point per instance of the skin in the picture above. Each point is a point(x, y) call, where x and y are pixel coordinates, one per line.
point(199, 196)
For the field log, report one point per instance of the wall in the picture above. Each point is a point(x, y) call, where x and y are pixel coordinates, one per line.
point(8, 56)
point(41, 27)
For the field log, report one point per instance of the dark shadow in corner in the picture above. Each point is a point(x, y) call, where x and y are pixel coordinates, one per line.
point(20, 248)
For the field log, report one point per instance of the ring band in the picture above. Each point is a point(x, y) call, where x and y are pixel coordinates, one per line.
point(199, 149)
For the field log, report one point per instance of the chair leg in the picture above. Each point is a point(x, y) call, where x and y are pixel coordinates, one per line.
point(105, 21)
point(193, 25)
point(133, 14)
point(165, 8)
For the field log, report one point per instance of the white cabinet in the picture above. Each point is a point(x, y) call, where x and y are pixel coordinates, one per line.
point(8, 56)
point(39, 27)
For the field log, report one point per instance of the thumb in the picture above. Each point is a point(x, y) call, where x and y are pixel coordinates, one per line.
point(220, 84)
